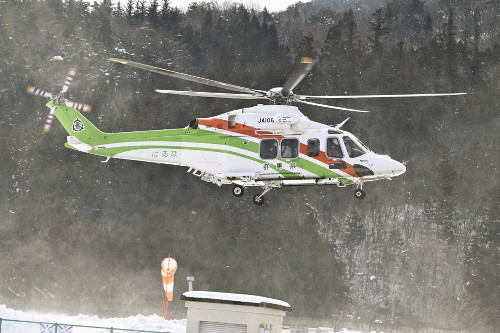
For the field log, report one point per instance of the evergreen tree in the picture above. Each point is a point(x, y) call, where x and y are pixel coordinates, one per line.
point(119, 12)
point(255, 37)
point(129, 9)
point(351, 33)
point(140, 10)
point(378, 31)
point(207, 24)
point(266, 17)
point(174, 19)
point(333, 44)
point(306, 47)
point(450, 44)
point(165, 12)
point(153, 12)
point(104, 22)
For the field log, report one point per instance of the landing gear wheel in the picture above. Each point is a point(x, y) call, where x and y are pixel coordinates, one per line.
point(258, 199)
point(238, 190)
point(359, 194)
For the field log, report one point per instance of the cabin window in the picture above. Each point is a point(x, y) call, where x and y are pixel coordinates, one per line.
point(352, 148)
point(289, 148)
point(231, 121)
point(268, 148)
point(313, 147)
point(333, 148)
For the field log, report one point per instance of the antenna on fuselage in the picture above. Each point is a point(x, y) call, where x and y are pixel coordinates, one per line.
point(342, 123)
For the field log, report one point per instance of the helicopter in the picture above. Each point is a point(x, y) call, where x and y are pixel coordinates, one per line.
point(266, 145)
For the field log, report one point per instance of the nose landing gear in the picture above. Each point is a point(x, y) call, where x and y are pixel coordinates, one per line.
point(359, 194)
point(258, 199)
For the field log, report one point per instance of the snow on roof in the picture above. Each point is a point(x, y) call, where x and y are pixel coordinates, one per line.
point(239, 299)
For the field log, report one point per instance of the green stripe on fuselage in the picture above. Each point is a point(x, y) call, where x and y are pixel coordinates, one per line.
point(117, 150)
point(301, 163)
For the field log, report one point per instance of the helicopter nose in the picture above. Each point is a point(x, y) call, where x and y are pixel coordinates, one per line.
point(390, 167)
point(398, 168)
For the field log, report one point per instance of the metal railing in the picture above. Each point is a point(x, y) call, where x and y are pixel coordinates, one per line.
point(23, 326)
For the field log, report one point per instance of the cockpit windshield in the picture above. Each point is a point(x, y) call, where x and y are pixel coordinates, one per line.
point(353, 149)
point(364, 146)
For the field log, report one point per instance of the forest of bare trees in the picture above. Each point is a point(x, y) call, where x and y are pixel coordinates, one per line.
point(422, 250)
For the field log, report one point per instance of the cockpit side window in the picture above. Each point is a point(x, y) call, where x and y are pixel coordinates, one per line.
point(333, 148)
point(289, 148)
point(268, 148)
point(352, 148)
point(313, 147)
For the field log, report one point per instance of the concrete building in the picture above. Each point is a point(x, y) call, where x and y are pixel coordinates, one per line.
point(233, 313)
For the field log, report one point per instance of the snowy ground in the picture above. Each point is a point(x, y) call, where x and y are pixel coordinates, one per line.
point(139, 322)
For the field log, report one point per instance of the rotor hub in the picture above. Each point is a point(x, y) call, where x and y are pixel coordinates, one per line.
point(276, 96)
point(58, 99)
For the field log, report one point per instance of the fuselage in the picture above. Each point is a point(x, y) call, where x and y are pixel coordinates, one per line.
point(254, 146)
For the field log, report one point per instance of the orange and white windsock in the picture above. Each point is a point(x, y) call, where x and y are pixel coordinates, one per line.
point(168, 268)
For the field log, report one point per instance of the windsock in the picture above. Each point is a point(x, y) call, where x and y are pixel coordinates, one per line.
point(168, 268)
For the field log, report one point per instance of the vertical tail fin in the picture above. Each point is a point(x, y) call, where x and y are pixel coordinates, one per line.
point(78, 126)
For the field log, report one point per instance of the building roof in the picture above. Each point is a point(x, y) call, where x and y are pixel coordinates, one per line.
point(237, 299)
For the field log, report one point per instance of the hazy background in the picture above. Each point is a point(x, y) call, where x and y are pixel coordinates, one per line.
point(78, 235)
point(274, 6)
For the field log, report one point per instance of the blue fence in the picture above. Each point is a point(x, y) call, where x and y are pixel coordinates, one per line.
point(22, 326)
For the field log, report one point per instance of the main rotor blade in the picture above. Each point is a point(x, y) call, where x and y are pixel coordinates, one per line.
point(300, 71)
point(329, 106)
point(183, 76)
point(211, 94)
point(49, 120)
point(69, 79)
point(38, 92)
point(302, 97)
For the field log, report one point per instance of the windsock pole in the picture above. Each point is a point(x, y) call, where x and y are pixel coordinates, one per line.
point(165, 299)
point(168, 268)
point(164, 308)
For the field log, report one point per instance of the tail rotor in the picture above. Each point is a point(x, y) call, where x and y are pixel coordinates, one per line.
point(38, 92)
point(68, 81)
point(50, 118)
point(78, 106)
point(58, 99)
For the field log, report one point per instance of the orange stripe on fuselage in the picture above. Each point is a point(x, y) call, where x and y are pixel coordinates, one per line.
point(325, 159)
point(250, 131)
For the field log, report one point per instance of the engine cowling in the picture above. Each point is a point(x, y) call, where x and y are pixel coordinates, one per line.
point(286, 118)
